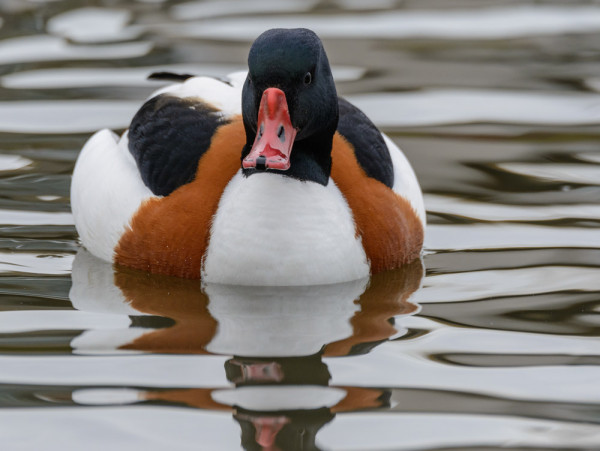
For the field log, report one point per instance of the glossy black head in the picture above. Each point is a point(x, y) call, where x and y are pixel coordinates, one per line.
point(294, 61)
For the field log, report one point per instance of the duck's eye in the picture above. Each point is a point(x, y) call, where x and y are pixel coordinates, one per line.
point(308, 78)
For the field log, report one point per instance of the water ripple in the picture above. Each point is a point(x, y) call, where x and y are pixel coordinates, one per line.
point(510, 382)
point(92, 25)
point(445, 106)
point(31, 49)
point(74, 116)
point(13, 162)
point(493, 211)
point(148, 428)
point(409, 432)
point(209, 9)
point(35, 263)
point(25, 321)
point(557, 172)
point(468, 286)
point(135, 77)
point(508, 236)
point(443, 339)
point(483, 23)
point(39, 218)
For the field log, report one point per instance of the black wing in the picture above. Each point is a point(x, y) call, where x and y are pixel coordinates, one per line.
point(369, 147)
point(167, 138)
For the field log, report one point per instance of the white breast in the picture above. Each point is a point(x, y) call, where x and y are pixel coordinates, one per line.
point(274, 230)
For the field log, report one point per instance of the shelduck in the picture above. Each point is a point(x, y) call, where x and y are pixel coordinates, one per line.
point(261, 178)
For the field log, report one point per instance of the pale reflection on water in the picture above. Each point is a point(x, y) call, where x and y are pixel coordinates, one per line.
point(496, 346)
point(276, 340)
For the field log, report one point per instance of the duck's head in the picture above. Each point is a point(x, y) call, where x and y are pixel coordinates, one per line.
point(289, 105)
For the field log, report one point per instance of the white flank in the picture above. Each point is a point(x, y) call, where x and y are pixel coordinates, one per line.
point(405, 180)
point(105, 192)
point(274, 230)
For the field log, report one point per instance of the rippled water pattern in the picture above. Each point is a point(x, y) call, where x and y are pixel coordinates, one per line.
point(494, 345)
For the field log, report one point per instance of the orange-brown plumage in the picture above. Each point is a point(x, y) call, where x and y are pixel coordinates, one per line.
point(170, 235)
point(391, 231)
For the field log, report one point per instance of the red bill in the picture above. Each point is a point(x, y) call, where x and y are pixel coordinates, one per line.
point(275, 136)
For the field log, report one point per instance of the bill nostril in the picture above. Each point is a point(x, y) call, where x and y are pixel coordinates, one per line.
point(281, 133)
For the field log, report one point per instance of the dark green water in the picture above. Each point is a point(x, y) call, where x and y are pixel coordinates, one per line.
point(492, 343)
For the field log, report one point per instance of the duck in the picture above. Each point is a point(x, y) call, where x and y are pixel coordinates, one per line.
point(264, 177)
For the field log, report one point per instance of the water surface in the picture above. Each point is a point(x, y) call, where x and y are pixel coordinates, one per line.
point(491, 342)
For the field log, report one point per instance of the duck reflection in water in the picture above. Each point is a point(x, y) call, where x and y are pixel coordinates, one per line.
point(277, 337)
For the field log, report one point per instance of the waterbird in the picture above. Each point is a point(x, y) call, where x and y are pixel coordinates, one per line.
point(264, 177)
